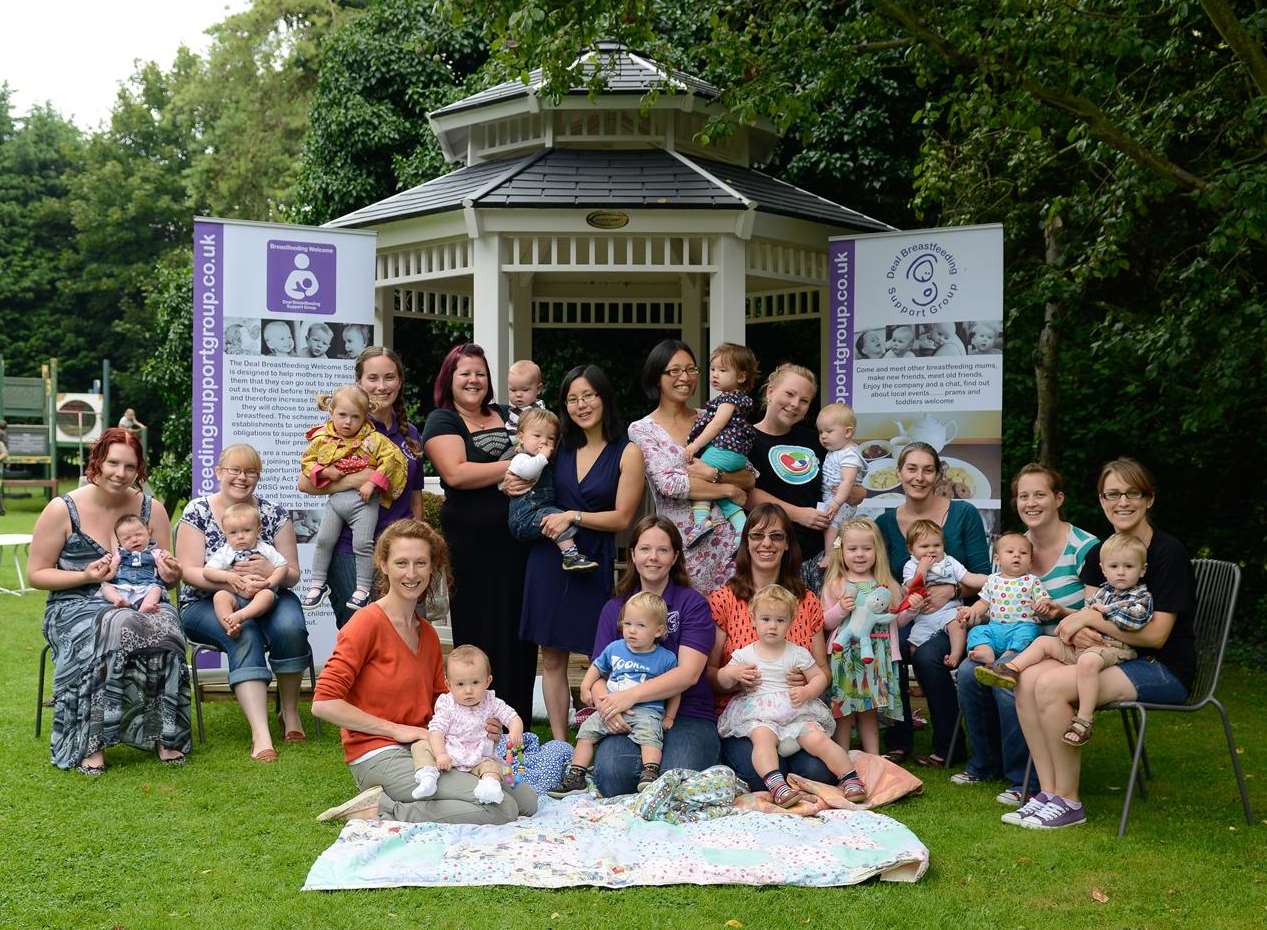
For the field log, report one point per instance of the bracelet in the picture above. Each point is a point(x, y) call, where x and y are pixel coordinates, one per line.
point(716, 479)
point(576, 521)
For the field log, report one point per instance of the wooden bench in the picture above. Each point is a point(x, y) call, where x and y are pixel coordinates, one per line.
point(49, 485)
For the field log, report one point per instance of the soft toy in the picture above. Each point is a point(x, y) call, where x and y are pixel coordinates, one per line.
point(916, 586)
point(868, 613)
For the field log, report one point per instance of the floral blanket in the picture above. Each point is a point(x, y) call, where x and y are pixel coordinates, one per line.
point(584, 841)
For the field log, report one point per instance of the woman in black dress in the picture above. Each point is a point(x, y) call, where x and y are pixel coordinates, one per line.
point(465, 437)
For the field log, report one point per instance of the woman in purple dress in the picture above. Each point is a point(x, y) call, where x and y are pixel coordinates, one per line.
point(598, 482)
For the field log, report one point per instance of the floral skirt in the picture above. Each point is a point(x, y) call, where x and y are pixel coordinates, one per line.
point(857, 687)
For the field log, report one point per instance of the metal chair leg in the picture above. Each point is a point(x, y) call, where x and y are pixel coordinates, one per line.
point(1128, 724)
point(1130, 728)
point(39, 694)
point(1236, 762)
point(1135, 777)
point(312, 676)
point(197, 690)
point(954, 739)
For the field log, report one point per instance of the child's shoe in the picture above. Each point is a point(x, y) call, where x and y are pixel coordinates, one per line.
point(427, 780)
point(574, 561)
point(697, 534)
point(854, 789)
point(998, 675)
point(489, 790)
point(650, 772)
point(574, 782)
point(360, 597)
point(314, 597)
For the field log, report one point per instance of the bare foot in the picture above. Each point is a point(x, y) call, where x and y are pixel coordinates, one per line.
point(953, 660)
point(982, 655)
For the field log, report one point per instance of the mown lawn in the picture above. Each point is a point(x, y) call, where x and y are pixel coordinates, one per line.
point(226, 842)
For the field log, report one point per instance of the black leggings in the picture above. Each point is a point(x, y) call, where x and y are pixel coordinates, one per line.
point(939, 688)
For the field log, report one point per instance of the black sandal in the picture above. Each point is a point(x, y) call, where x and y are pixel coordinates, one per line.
point(897, 756)
point(90, 770)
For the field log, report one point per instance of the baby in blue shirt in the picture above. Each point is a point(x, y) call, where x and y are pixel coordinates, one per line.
point(626, 663)
point(135, 582)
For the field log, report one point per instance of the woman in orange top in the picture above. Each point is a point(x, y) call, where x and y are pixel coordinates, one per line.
point(768, 553)
point(380, 685)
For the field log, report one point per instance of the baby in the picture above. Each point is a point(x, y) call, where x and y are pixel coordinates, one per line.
point(1123, 600)
point(235, 340)
point(901, 340)
point(842, 468)
point(456, 737)
point(983, 338)
point(278, 339)
point(626, 663)
point(524, 385)
point(929, 565)
point(317, 341)
point(241, 525)
point(939, 339)
point(134, 580)
point(722, 435)
point(1008, 597)
point(536, 439)
point(356, 337)
point(871, 344)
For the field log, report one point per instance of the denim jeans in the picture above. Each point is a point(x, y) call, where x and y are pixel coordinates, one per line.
point(281, 634)
point(994, 733)
point(692, 743)
point(341, 577)
point(736, 752)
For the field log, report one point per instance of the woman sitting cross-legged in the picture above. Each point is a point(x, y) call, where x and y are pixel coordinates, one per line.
point(380, 686)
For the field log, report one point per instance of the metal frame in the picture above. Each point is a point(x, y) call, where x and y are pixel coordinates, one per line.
point(197, 649)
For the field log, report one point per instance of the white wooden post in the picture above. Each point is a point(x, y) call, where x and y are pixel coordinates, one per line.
point(693, 324)
point(726, 293)
point(521, 316)
point(384, 320)
point(490, 304)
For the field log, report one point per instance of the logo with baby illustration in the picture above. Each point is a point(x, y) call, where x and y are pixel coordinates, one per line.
point(794, 464)
point(301, 277)
point(922, 279)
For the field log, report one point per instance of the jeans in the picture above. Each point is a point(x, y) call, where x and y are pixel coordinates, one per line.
point(281, 634)
point(692, 743)
point(990, 717)
point(736, 752)
point(646, 726)
point(939, 689)
point(341, 577)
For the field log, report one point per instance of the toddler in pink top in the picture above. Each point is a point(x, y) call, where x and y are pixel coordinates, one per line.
point(457, 737)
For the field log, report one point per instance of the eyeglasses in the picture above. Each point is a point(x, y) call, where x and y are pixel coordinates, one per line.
point(587, 398)
point(234, 472)
point(677, 371)
point(1113, 496)
point(775, 537)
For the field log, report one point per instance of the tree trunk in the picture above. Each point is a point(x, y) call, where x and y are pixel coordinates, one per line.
point(1046, 361)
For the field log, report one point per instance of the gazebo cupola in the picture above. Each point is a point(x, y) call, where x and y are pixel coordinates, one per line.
point(602, 212)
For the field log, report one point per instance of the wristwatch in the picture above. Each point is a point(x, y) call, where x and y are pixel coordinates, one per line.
point(716, 479)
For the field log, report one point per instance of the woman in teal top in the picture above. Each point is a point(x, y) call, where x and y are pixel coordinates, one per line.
point(994, 732)
point(919, 467)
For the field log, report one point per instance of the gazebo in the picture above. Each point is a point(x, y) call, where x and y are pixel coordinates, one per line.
point(602, 212)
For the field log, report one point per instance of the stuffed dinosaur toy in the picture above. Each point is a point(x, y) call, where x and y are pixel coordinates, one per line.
point(868, 613)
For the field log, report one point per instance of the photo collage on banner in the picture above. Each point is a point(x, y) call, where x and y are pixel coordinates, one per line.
point(917, 351)
point(280, 314)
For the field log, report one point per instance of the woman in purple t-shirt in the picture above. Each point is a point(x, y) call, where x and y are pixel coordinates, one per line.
point(656, 565)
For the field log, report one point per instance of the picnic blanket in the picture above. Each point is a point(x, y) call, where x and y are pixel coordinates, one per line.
point(582, 840)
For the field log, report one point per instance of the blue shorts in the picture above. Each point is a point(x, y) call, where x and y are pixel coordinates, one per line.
point(1001, 637)
point(1154, 682)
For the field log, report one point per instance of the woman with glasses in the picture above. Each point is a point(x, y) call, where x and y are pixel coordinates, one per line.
point(278, 640)
point(1047, 693)
point(670, 378)
point(768, 554)
point(598, 486)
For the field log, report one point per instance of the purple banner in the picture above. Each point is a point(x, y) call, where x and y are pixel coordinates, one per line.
point(301, 276)
point(843, 291)
point(208, 376)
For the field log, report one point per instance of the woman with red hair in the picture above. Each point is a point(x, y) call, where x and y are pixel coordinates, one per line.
point(119, 676)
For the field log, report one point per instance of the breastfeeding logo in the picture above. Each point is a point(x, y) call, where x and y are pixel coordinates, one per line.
point(301, 277)
point(922, 279)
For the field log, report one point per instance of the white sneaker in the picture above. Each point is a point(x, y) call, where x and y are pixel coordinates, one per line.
point(489, 790)
point(1009, 798)
point(427, 780)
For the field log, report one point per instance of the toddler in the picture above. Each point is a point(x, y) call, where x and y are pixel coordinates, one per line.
point(722, 435)
point(983, 338)
point(456, 737)
point(1008, 597)
point(871, 344)
point(346, 444)
point(538, 433)
point(626, 663)
point(524, 385)
point(842, 468)
point(901, 339)
point(241, 525)
point(777, 718)
point(317, 341)
point(1123, 600)
point(278, 338)
point(929, 565)
point(134, 578)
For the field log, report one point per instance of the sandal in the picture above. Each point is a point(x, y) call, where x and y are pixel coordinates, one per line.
point(90, 770)
point(1078, 733)
point(265, 755)
point(931, 761)
point(897, 756)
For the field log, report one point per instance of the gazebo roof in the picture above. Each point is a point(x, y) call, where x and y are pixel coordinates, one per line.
point(626, 73)
point(651, 178)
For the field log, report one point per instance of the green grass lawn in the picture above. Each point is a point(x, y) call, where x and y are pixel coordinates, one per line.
point(226, 842)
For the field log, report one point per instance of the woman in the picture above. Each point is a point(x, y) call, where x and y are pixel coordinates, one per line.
point(657, 564)
point(1162, 673)
point(1060, 549)
point(598, 484)
point(768, 554)
point(380, 373)
point(919, 469)
point(279, 639)
point(670, 377)
point(380, 686)
point(465, 438)
point(119, 676)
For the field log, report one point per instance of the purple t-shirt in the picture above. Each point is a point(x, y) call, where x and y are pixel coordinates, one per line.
point(690, 624)
point(401, 506)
